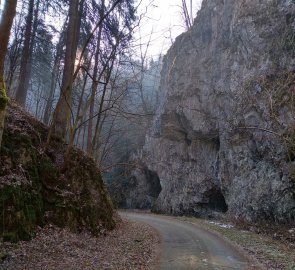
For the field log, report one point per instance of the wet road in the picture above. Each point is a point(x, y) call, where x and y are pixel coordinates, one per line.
point(184, 246)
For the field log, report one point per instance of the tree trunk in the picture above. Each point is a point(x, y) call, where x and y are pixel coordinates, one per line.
point(93, 93)
point(73, 129)
point(53, 82)
point(5, 27)
point(101, 105)
point(54, 77)
point(61, 116)
point(21, 93)
point(13, 64)
point(78, 114)
point(14, 54)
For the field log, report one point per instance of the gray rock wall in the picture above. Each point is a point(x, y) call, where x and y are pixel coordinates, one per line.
point(223, 136)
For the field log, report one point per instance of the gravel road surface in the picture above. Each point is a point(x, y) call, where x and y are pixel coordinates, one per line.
point(185, 246)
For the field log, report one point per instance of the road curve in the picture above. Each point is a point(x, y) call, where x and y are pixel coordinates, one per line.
point(185, 246)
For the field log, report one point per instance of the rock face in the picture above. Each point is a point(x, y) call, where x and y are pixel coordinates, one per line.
point(144, 193)
point(37, 185)
point(139, 191)
point(223, 137)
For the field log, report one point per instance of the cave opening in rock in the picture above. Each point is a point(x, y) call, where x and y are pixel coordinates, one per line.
point(217, 143)
point(217, 201)
point(154, 184)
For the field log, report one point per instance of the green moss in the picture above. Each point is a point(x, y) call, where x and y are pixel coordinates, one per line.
point(21, 212)
point(290, 145)
point(3, 102)
point(47, 171)
point(3, 255)
point(66, 214)
point(8, 147)
point(292, 174)
point(21, 204)
point(66, 195)
point(10, 237)
point(3, 97)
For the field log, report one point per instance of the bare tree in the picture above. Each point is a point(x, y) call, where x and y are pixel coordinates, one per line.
point(14, 52)
point(94, 85)
point(62, 112)
point(25, 68)
point(187, 14)
point(54, 79)
point(61, 118)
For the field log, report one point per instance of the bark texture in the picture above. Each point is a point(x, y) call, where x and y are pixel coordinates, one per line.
point(62, 113)
point(5, 27)
point(93, 92)
point(25, 68)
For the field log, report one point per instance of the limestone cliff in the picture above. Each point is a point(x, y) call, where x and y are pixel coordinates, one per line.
point(223, 137)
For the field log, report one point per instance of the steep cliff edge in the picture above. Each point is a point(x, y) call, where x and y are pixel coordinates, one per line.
point(223, 138)
point(37, 187)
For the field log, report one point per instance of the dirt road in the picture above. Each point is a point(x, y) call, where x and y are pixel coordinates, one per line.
point(184, 246)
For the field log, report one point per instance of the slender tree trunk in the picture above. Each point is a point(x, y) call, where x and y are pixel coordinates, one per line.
point(97, 127)
point(14, 54)
point(61, 116)
point(83, 139)
point(78, 117)
point(191, 11)
point(13, 59)
point(38, 99)
point(32, 46)
point(93, 92)
point(21, 93)
point(49, 102)
point(5, 27)
point(186, 15)
point(107, 142)
point(54, 77)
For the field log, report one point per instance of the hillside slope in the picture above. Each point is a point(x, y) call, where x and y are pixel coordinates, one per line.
point(37, 186)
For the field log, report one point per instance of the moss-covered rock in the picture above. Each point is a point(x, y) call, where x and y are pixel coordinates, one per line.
point(37, 187)
point(3, 97)
point(78, 198)
point(22, 211)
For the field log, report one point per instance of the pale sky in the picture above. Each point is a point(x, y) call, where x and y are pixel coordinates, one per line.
point(1, 8)
point(164, 19)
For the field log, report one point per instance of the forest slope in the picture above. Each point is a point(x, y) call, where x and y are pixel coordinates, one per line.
point(38, 186)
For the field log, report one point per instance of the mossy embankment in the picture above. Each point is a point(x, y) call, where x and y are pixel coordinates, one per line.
point(37, 185)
